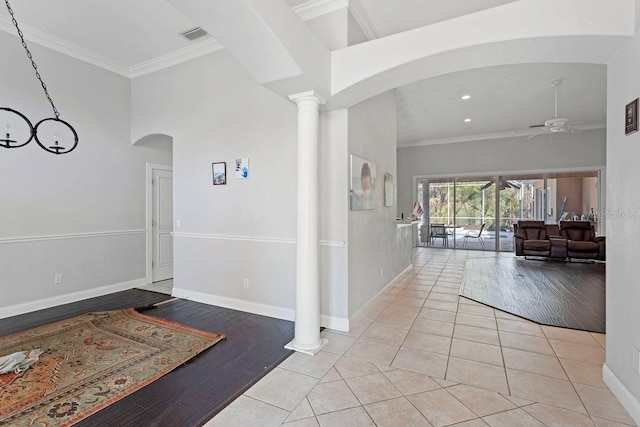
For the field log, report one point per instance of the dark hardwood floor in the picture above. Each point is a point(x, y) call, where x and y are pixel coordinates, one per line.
point(193, 393)
point(569, 295)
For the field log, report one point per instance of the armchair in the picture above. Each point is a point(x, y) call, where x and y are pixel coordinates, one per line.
point(531, 239)
point(582, 242)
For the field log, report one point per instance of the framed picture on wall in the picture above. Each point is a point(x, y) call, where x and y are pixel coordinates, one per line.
point(242, 168)
point(362, 184)
point(631, 117)
point(219, 173)
point(388, 189)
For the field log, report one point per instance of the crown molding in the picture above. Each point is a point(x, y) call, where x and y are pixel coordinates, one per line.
point(202, 48)
point(496, 135)
point(36, 36)
point(306, 11)
point(316, 8)
point(362, 18)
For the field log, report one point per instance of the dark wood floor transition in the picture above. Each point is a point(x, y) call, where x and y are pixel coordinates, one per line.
point(569, 295)
point(191, 394)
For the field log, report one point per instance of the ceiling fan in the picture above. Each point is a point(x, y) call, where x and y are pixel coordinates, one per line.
point(556, 124)
point(502, 184)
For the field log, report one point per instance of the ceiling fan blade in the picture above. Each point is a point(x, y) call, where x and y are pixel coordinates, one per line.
point(487, 185)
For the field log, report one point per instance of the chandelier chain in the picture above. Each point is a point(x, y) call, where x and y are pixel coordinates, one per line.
point(33, 63)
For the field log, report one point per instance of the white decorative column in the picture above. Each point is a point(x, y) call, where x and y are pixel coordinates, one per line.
point(307, 327)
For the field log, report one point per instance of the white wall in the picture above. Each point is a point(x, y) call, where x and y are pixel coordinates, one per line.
point(570, 150)
point(623, 230)
point(246, 229)
point(376, 255)
point(82, 214)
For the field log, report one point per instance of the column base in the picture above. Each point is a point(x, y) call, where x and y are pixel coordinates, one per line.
point(307, 350)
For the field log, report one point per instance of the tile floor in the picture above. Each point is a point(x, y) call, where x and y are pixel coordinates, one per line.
point(423, 356)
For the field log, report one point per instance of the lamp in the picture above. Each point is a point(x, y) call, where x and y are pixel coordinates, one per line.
point(47, 139)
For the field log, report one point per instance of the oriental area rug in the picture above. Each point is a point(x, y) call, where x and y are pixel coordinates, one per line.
point(91, 361)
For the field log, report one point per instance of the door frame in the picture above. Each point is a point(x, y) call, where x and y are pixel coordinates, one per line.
point(150, 167)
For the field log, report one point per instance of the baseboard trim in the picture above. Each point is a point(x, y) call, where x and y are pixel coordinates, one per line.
point(362, 310)
point(624, 396)
point(28, 307)
point(334, 323)
point(236, 304)
point(331, 322)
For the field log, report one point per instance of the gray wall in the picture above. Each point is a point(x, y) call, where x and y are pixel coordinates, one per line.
point(566, 151)
point(81, 215)
point(623, 230)
point(375, 254)
point(334, 207)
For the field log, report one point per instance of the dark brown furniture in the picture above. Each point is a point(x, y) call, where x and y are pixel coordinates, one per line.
point(582, 242)
point(532, 238)
point(558, 247)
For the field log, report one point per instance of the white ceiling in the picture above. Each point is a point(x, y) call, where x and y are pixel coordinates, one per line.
point(128, 36)
point(505, 101)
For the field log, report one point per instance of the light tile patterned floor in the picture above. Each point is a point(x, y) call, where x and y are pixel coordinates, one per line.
point(423, 356)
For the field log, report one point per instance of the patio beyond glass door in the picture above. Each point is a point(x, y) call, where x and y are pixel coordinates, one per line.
point(573, 197)
point(475, 219)
point(439, 213)
point(479, 212)
point(522, 197)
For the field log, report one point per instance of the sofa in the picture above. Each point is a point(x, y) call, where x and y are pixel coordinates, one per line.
point(570, 239)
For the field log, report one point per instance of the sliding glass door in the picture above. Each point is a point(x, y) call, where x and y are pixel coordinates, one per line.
point(522, 197)
point(437, 198)
point(573, 196)
point(475, 213)
point(479, 212)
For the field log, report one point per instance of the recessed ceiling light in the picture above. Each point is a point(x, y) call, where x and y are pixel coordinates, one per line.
point(467, 120)
point(465, 97)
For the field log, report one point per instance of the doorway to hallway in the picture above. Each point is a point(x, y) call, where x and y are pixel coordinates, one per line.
point(159, 222)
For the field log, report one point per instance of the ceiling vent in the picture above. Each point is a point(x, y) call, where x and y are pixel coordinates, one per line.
point(194, 33)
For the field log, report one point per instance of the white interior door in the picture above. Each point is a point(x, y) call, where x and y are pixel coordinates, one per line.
point(162, 225)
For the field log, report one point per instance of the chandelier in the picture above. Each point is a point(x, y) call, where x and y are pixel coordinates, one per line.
point(49, 132)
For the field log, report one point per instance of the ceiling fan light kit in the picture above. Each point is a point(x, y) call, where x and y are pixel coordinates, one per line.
point(556, 125)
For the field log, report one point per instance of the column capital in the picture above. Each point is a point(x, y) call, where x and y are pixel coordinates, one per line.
point(310, 95)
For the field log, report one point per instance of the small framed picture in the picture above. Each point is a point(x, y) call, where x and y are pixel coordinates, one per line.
point(388, 189)
point(631, 117)
point(219, 173)
point(242, 168)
